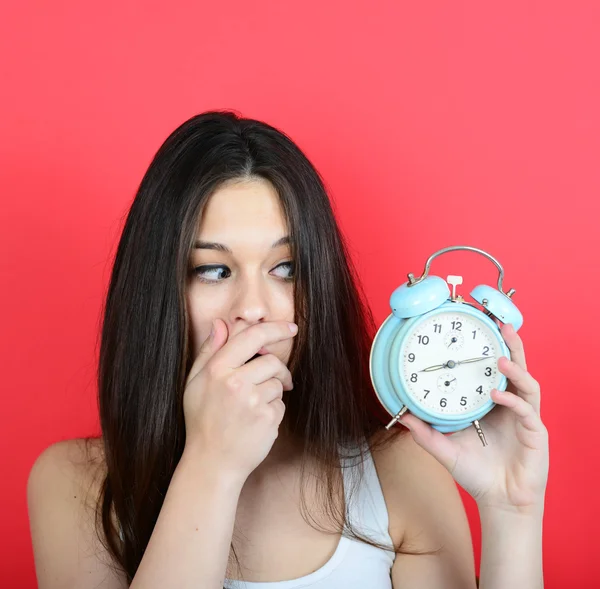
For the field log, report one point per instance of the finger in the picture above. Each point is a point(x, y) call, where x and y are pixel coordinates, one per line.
point(515, 345)
point(277, 408)
point(268, 366)
point(247, 343)
point(270, 390)
point(431, 440)
point(525, 412)
point(526, 386)
point(211, 345)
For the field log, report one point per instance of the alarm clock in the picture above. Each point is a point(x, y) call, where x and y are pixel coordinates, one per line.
point(436, 354)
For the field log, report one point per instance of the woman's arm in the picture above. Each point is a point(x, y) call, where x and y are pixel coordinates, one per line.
point(233, 408)
point(62, 489)
point(189, 546)
point(511, 549)
point(427, 513)
point(507, 478)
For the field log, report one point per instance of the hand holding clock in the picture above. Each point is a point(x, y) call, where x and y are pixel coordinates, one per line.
point(512, 471)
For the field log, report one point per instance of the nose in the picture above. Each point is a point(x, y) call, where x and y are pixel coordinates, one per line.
point(251, 302)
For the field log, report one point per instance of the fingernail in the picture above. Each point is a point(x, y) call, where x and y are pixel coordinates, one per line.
point(212, 328)
point(293, 327)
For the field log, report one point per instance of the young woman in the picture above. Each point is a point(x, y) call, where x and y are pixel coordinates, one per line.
point(240, 441)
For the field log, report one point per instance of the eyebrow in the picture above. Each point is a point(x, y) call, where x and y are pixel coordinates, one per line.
point(220, 247)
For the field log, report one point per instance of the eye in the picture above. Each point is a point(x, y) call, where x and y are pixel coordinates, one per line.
point(288, 268)
point(216, 272)
point(212, 273)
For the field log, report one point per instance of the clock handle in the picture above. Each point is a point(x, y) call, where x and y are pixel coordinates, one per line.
point(412, 281)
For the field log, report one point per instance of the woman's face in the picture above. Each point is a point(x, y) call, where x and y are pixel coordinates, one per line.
point(243, 266)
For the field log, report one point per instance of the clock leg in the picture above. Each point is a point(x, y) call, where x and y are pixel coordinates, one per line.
point(480, 433)
point(397, 417)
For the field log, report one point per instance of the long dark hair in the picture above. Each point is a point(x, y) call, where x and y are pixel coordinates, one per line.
point(144, 350)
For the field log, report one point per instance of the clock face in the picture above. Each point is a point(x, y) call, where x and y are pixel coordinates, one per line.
point(434, 368)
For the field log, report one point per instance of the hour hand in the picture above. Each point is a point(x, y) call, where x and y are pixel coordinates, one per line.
point(437, 367)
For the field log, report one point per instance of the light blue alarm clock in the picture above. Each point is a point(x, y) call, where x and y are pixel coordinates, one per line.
point(436, 354)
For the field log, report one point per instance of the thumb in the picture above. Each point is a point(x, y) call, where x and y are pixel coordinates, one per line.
point(214, 342)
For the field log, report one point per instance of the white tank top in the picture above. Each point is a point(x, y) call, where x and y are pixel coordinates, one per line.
point(354, 564)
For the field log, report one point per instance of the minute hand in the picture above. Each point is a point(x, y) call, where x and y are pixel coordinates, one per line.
point(473, 360)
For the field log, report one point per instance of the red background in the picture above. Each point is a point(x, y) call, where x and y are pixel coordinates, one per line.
point(433, 123)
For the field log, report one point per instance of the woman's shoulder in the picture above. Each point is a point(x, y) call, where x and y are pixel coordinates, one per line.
point(400, 459)
point(76, 464)
point(419, 492)
point(63, 488)
point(76, 450)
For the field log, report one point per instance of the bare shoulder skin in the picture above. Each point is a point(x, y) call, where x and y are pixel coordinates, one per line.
point(62, 490)
point(426, 513)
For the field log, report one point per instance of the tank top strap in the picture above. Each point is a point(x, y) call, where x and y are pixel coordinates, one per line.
point(365, 504)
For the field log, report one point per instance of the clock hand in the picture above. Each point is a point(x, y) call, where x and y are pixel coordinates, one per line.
point(437, 367)
point(473, 360)
point(440, 366)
